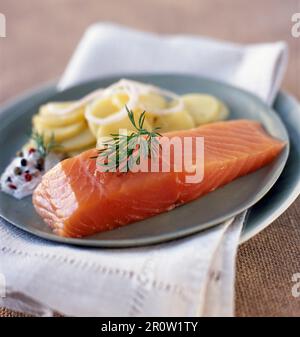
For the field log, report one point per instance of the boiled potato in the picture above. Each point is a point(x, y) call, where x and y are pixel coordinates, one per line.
point(107, 107)
point(203, 108)
point(59, 133)
point(50, 119)
point(104, 107)
point(150, 103)
point(119, 100)
point(110, 105)
point(101, 108)
point(174, 121)
point(113, 128)
point(81, 141)
point(224, 112)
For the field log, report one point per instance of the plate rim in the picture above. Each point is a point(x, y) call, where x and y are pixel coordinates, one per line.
point(287, 202)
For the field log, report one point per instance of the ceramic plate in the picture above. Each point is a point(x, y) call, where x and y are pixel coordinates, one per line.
point(15, 124)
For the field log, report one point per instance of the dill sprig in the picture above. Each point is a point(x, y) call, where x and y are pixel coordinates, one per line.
point(43, 147)
point(122, 151)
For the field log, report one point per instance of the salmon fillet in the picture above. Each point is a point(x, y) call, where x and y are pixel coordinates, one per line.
point(76, 202)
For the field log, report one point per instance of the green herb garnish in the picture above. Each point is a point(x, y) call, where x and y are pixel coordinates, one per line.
point(124, 150)
point(43, 147)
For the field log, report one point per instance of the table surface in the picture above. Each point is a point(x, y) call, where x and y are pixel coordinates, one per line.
point(41, 36)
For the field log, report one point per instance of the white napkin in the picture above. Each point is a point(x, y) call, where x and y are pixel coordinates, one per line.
point(188, 277)
point(107, 49)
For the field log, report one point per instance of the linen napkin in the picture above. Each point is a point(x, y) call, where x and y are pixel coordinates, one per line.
point(193, 276)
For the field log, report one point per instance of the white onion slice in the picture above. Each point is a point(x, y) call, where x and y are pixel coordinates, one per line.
point(78, 104)
point(133, 89)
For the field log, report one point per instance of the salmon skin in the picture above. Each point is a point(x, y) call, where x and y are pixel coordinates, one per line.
point(76, 202)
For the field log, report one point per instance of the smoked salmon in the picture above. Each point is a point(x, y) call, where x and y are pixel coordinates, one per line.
point(76, 202)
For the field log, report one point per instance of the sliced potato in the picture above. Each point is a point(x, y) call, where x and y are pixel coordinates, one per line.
point(203, 108)
point(101, 108)
point(149, 103)
point(110, 105)
point(124, 124)
point(83, 140)
point(224, 112)
point(51, 119)
point(119, 100)
point(152, 102)
point(60, 133)
point(175, 121)
point(107, 107)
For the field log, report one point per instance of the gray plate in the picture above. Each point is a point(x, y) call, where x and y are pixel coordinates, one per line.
point(15, 123)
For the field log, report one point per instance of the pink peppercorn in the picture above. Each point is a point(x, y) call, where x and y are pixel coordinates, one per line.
point(27, 176)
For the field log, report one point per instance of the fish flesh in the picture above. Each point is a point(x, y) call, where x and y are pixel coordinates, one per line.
point(76, 200)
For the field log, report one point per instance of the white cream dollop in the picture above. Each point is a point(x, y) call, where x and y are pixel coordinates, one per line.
point(30, 175)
